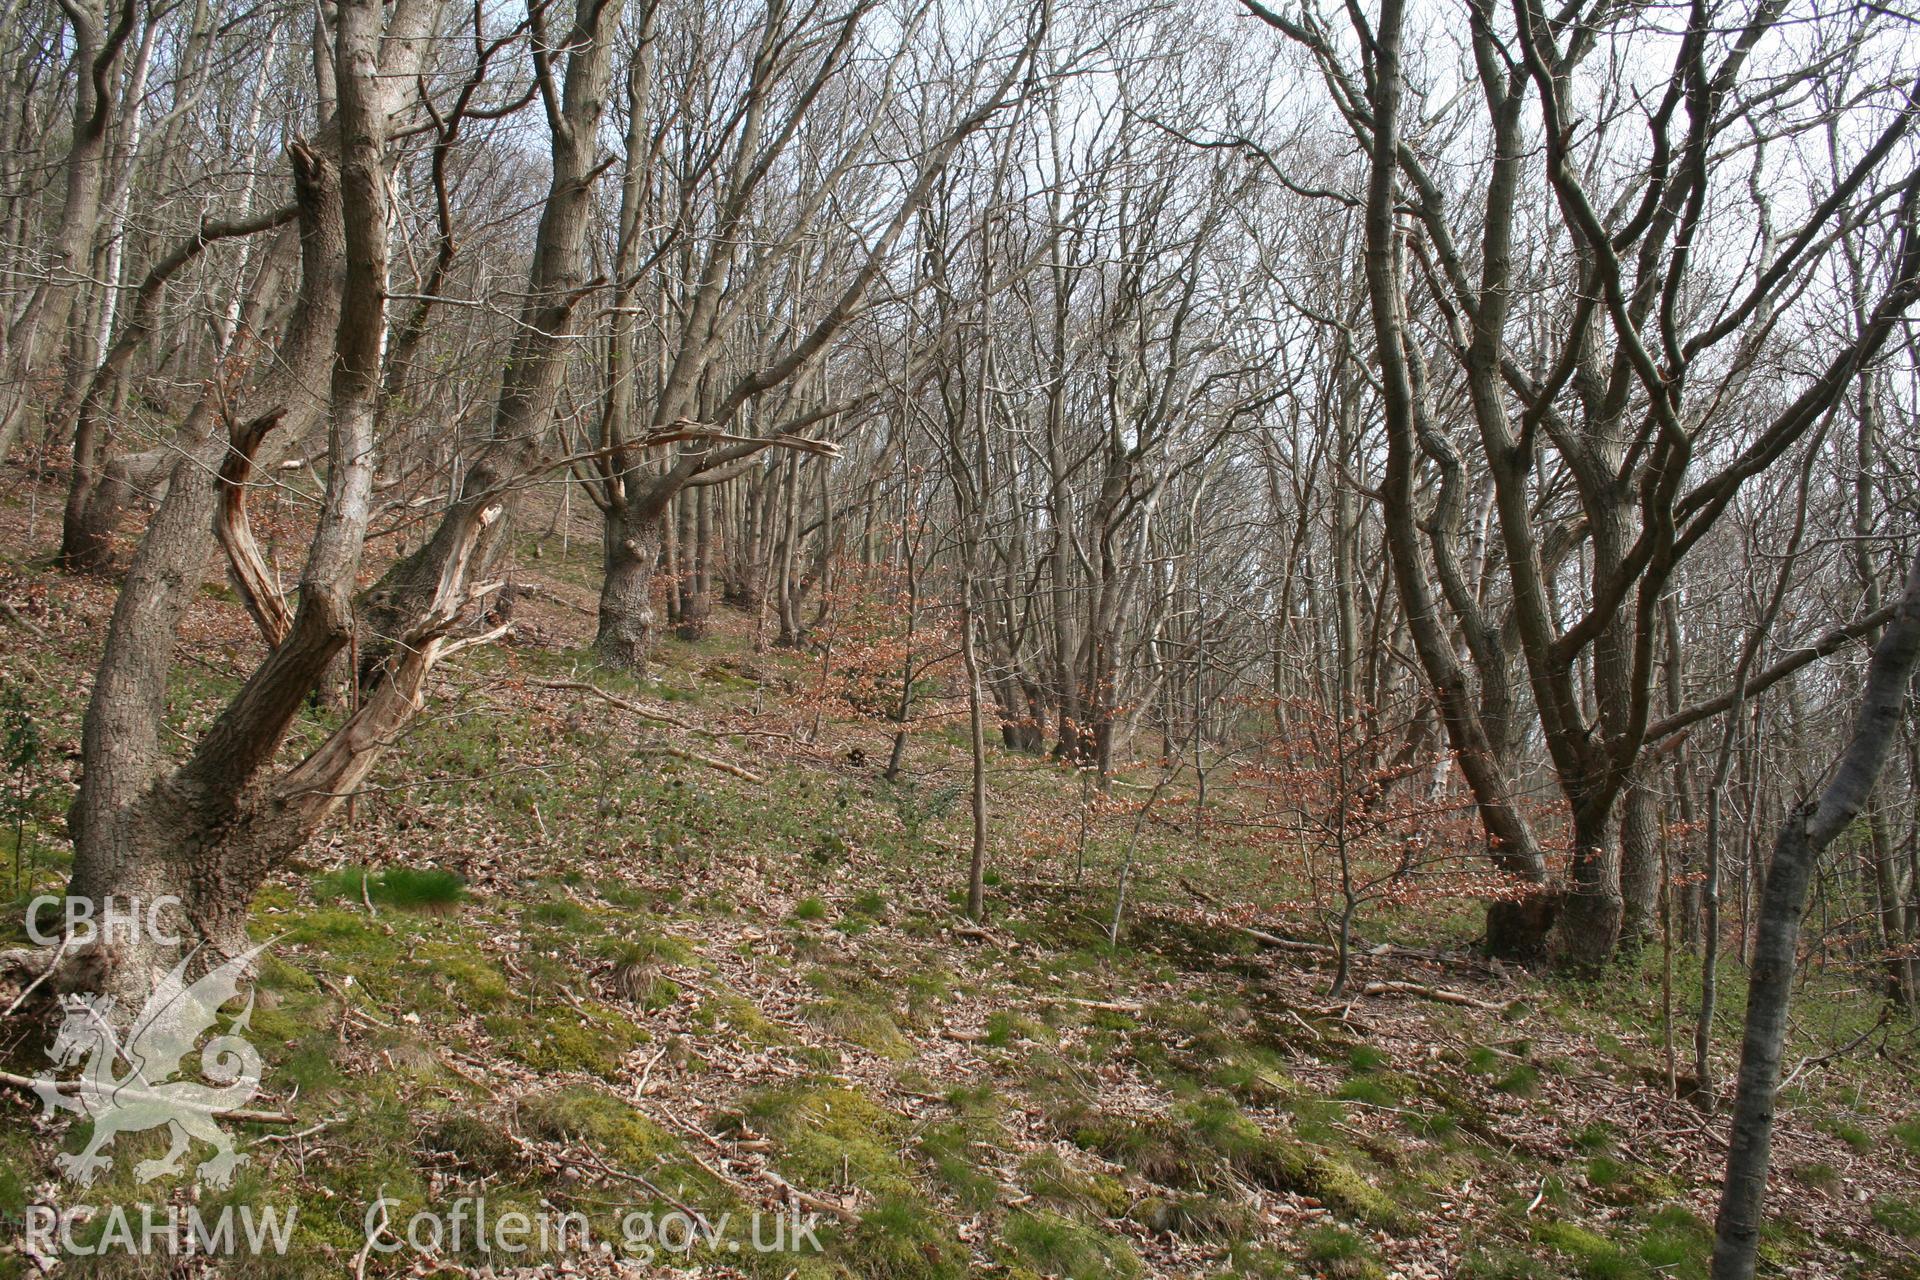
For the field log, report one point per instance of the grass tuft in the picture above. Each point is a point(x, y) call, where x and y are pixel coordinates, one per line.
point(901, 1238)
point(1057, 1246)
point(1338, 1253)
point(427, 890)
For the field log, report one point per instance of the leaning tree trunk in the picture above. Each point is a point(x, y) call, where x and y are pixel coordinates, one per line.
point(207, 832)
point(490, 491)
point(1808, 830)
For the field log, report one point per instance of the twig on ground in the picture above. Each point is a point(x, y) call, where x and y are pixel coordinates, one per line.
point(22, 621)
point(1815, 1063)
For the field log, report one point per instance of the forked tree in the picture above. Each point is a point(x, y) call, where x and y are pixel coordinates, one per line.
point(207, 831)
point(1621, 424)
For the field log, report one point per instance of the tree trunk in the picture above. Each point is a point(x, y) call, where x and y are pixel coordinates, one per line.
point(543, 341)
point(40, 332)
point(1516, 928)
point(977, 746)
point(1888, 883)
point(695, 589)
point(209, 831)
point(1588, 924)
point(1639, 866)
point(628, 622)
point(1808, 830)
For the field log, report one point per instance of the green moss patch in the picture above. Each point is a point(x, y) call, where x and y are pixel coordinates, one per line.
point(830, 1136)
point(900, 1238)
point(1204, 1141)
point(590, 1039)
point(1338, 1253)
point(585, 1111)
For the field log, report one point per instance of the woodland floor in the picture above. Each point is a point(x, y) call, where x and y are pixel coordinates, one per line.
point(662, 984)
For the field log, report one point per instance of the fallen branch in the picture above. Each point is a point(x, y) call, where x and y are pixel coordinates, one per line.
point(308, 1132)
point(804, 1198)
point(22, 621)
point(602, 1166)
point(1279, 943)
point(982, 933)
point(694, 757)
point(1825, 1059)
point(1439, 994)
point(1194, 889)
point(614, 699)
point(21, 960)
point(240, 1114)
point(1104, 1006)
point(819, 1203)
point(660, 717)
point(1380, 951)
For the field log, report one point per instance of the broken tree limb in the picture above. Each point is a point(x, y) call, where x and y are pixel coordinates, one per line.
point(1103, 1006)
point(258, 591)
point(1279, 943)
point(694, 757)
point(1441, 995)
point(1378, 951)
point(22, 621)
point(614, 699)
point(241, 1114)
point(37, 963)
point(804, 1198)
point(810, 1201)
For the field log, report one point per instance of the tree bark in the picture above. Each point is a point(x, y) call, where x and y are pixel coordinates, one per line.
point(977, 749)
point(1588, 925)
point(556, 282)
point(209, 831)
point(628, 620)
point(1639, 866)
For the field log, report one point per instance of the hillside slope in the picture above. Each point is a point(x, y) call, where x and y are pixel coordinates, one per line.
point(605, 947)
